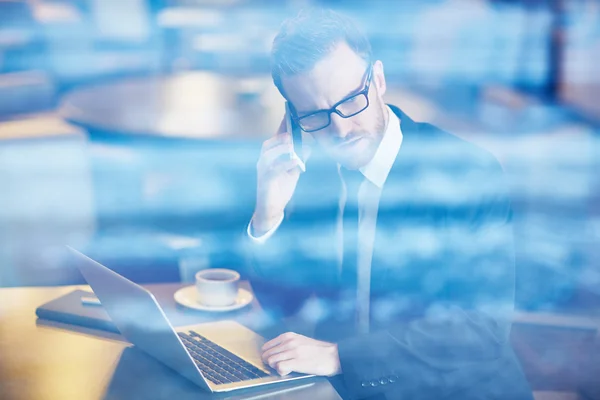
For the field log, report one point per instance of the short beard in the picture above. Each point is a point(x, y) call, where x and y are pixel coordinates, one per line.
point(377, 133)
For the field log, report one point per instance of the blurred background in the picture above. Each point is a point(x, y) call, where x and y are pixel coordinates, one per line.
point(131, 129)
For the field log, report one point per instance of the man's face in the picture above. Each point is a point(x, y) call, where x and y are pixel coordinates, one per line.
point(350, 141)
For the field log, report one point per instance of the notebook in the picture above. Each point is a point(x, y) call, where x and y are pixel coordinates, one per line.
point(68, 309)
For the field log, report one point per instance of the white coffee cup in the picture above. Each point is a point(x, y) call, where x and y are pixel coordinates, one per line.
point(217, 287)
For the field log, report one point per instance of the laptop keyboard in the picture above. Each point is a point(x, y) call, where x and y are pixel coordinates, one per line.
point(217, 364)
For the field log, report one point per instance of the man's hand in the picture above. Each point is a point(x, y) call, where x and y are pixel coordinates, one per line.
point(291, 352)
point(277, 176)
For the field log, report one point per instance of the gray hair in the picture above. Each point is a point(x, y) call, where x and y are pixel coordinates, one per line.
point(307, 38)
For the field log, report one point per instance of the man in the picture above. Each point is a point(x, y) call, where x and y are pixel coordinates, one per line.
point(396, 241)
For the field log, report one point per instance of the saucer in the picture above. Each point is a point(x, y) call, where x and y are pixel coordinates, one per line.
point(186, 296)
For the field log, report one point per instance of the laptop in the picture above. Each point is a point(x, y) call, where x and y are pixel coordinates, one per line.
point(217, 356)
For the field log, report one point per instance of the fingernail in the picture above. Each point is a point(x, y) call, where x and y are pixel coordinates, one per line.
point(299, 161)
point(301, 165)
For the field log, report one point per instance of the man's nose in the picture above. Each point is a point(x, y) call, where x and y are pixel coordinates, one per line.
point(340, 127)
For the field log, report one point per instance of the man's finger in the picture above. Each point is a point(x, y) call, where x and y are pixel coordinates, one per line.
point(279, 339)
point(280, 138)
point(279, 153)
point(283, 368)
point(275, 359)
point(287, 166)
point(279, 348)
point(271, 343)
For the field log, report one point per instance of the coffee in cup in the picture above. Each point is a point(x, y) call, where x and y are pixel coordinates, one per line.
point(217, 287)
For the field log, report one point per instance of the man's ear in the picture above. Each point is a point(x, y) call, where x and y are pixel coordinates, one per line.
point(379, 77)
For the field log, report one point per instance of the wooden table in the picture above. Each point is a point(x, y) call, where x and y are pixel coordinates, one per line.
point(47, 360)
point(197, 105)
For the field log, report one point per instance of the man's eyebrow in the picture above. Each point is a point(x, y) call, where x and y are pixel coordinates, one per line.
point(351, 93)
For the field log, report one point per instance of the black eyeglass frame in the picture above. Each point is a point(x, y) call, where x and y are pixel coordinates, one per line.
point(363, 92)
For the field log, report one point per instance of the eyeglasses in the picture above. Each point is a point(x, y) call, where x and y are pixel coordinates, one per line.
point(346, 108)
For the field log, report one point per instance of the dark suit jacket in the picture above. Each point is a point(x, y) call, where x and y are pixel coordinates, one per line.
point(442, 274)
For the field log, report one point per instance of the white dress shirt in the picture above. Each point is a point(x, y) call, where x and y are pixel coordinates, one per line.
point(376, 173)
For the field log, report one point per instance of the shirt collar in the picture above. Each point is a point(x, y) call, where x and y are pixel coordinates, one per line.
point(378, 169)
